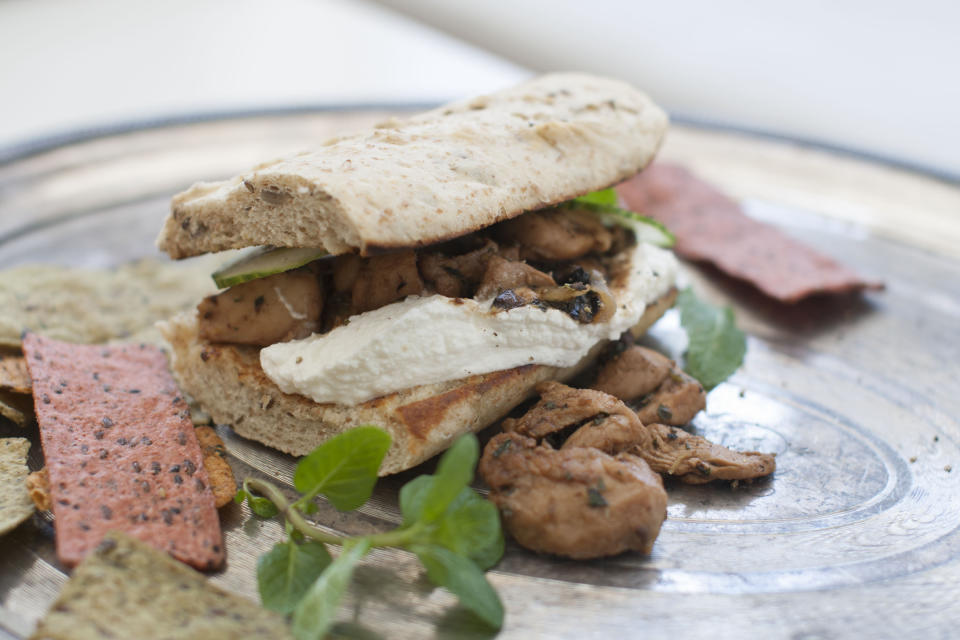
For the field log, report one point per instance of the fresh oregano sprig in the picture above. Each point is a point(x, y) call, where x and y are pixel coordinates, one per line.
point(453, 531)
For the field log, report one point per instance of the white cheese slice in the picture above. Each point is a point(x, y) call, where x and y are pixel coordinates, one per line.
point(425, 340)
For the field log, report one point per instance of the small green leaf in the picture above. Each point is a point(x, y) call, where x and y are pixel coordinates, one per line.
point(317, 609)
point(604, 197)
point(715, 346)
point(412, 495)
point(286, 572)
point(460, 576)
point(344, 468)
point(454, 472)
point(260, 506)
point(471, 528)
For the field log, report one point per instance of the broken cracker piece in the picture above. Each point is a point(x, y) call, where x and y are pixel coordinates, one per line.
point(222, 481)
point(13, 374)
point(120, 450)
point(15, 504)
point(126, 589)
point(38, 486)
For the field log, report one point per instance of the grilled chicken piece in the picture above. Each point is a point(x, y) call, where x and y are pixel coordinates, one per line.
point(556, 234)
point(456, 276)
point(561, 407)
point(611, 433)
point(281, 307)
point(634, 372)
point(696, 460)
point(501, 275)
point(385, 279)
point(676, 401)
point(578, 503)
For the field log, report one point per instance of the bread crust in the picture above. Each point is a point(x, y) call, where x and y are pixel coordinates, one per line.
point(228, 382)
point(432, 177)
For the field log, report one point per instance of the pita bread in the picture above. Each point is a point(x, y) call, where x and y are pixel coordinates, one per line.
point(228, 382)
point(15, 503)
point(435, 176)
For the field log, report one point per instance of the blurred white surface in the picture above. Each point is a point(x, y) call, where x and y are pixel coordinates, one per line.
point(875, 75)
point(66, 64)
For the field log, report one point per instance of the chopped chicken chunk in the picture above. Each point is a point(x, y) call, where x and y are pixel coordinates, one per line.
point(277, 308)
point(557, 234)
point(579, 503)
point(696, 460)
point(456, 276)
point(605, 423)
point(561, 407)
point(385, 279)
point(502, 275)
point(676, 401)
point(634, 372)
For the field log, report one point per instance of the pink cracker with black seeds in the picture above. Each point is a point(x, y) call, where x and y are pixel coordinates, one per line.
point(120, 451)
point(710, 227)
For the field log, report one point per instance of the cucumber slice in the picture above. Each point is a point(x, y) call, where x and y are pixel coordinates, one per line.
point(645, 228)
point(261, 262)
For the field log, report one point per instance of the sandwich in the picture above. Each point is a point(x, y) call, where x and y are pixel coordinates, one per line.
point(424, 275)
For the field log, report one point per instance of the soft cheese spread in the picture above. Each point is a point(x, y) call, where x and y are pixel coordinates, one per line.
point(425, 340)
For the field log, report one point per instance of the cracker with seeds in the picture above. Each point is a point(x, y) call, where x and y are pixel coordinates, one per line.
point(126, 589)
point(15, 503)
point(121, 451)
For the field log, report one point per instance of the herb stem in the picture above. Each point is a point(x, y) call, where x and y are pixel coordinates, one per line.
point(395, 538)
point(269, 491)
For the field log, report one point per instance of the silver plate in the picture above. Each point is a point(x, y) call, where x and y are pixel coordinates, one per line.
point(858, 533)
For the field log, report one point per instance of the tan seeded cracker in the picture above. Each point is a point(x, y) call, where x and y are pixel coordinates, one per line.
point(15, 503)
point(125, 589)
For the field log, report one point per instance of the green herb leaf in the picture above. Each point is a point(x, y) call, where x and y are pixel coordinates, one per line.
point(286, 572)
point(412, 495)
point(344, 468)
point(604, 197)
point(645, 228)
point(316, 611)
point(454, 472)
point(471, 528)
point(258, 505)
point(460, 576)
point(715, 346)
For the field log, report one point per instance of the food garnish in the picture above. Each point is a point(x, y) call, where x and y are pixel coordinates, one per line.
point(715, 347)
point(453, 531)
point(604, 205)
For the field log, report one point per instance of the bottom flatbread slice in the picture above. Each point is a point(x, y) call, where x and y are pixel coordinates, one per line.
point(227, 381)
point(15, 503)
point(126, 589)
point(121, 451)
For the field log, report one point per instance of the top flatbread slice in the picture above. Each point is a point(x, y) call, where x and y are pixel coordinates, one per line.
point(435, 176)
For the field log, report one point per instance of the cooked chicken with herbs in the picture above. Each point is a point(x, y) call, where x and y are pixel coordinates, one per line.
point(696, 460)
point(281, 307)
point(579, 503)
point(633, 372)
point(676, 401)
point(572, 254)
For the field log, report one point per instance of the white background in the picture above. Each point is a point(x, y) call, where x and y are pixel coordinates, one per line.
point(878, 76)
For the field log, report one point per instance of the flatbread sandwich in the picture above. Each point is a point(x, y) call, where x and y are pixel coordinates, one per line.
point(425, 275)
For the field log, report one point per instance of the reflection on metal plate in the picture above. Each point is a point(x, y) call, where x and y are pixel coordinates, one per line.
point(858, 532)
